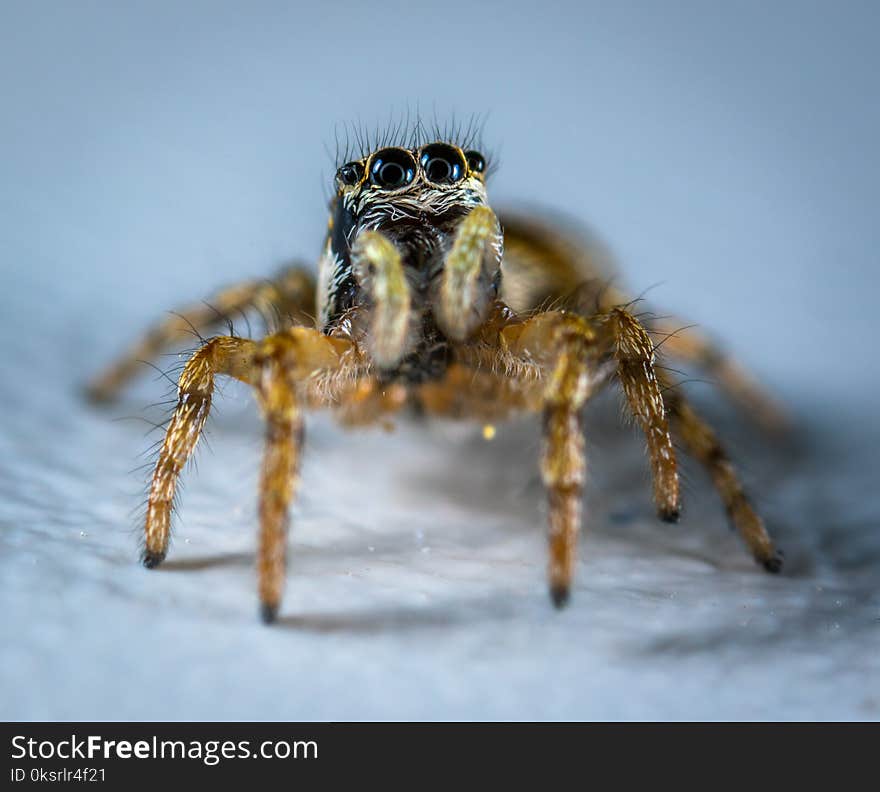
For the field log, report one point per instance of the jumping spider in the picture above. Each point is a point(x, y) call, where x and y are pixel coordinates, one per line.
point(424, 302)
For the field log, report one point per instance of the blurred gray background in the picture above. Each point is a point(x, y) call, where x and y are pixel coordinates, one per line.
point(150, 152)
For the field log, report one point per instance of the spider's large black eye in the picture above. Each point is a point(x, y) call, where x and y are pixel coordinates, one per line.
point(442, 164)
point(392, 168)
point(350, 173)
point(476, 161)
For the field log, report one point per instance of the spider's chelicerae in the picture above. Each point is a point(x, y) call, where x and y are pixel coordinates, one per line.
point(427, 301)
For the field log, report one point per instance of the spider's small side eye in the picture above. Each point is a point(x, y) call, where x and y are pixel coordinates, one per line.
point(392, 168)
point(476, 161)
point(442, 164)
point(350, 174)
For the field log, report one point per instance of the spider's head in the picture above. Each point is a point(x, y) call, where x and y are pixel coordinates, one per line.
point(392, 186)
point(416, 198)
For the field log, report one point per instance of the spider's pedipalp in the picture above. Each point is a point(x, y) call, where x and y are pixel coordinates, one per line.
point(471, 267)
point(377, 265)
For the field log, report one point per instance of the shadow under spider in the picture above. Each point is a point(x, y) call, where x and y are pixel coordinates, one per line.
point(816, 492)
point(401, 618)
point(206, 562)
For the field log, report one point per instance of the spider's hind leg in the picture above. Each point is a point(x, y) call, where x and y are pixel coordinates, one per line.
point(286, 299)
point(695, 347)
point(702, 443)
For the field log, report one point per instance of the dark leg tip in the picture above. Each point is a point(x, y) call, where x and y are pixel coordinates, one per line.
point(559, 594)
point(268, 613)
point(669, 515)
point(151, 559)
point(774, 564)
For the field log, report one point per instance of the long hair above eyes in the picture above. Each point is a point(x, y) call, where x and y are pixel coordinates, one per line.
point(355, 140)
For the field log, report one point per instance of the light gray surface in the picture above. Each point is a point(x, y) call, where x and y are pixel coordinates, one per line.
point(149, 155)
point(416, 587)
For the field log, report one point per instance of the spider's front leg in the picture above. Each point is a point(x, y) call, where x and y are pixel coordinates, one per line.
point(234, 357)
point(284, 362)
point(286, 299)
point(563, 464)
point(279, 368)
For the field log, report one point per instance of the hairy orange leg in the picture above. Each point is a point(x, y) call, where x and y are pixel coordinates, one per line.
point(567, 346)
point(563, 461)
point(233, 357)
point(579, 353)
point(692, 346)
point(276, 392)
point(286, 299)
point(278, 367)
point(546, 263)
point(703, 444)
point(634, 353)
point(625, 342)
point(286, 361)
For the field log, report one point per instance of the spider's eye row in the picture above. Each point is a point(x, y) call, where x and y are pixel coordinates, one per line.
point(476, 161)
point(442, 164)
point(350, 174)
point(392, 168)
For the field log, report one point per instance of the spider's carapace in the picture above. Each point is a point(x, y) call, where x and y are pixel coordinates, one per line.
point(426, 300)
